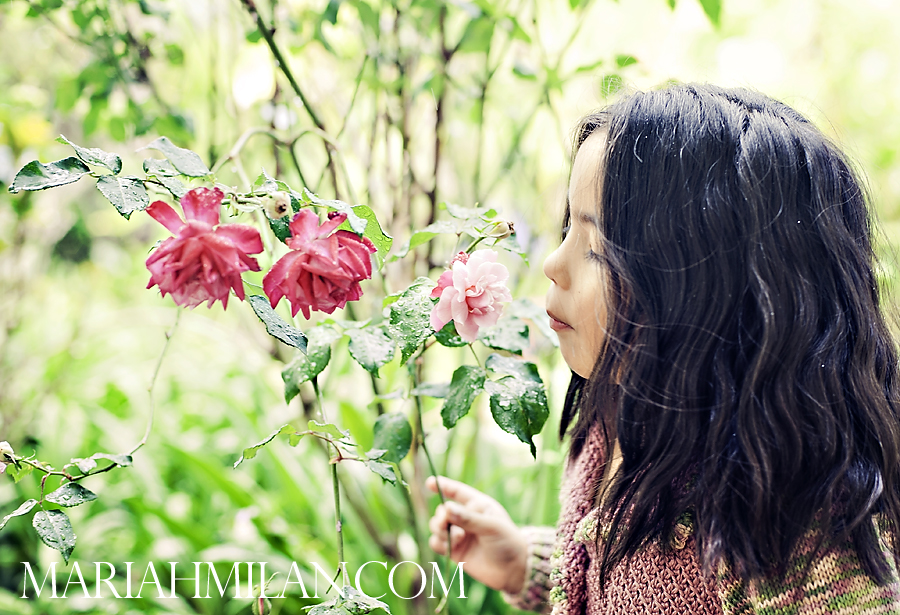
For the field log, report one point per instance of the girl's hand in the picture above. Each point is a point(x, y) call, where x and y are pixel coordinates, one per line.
point(483, 535)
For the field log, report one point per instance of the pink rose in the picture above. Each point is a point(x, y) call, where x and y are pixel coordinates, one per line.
point(323, 269)
point(471, 292)
point(203, 261)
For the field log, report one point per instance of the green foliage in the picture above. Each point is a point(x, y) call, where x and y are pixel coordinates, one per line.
point(371, 347)
point(276, 326)
point(37, 176)
point(55, 530)
point(410, 317)
point(126, 193)
point(70, 494)
point(466, 384)
point(307, 366)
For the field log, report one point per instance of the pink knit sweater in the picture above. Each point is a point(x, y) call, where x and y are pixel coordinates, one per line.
point(667, 579)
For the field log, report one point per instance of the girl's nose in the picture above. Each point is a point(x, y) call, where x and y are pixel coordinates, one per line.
point(554, 270)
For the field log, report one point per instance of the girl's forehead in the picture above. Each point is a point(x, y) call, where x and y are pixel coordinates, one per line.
point(585, 181)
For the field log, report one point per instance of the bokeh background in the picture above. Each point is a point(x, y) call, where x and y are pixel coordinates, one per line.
point(422, 102)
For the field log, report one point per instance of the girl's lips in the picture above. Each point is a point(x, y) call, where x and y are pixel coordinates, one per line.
point(556, 324)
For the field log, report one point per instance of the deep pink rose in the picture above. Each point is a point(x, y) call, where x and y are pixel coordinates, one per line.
point(204, 260)
point(324, 267)
point(471, 292)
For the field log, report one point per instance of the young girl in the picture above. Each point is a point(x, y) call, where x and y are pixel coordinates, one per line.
point(733, 408)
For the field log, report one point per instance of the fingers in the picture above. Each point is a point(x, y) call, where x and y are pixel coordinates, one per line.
point(453, 513)
point(455, 490)
point(438, 541)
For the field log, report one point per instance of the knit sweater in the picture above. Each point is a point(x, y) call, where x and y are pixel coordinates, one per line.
point(666, 579)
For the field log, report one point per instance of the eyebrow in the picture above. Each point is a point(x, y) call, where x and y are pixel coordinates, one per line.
point(584, 218)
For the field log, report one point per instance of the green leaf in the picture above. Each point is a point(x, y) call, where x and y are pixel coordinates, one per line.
point(18, 474)
point(610, 85)
point(468, 213)
point(477, 36)
point(355, 222)
point(589, 68)
point(509, 366)
point(425, 235)
point(119, 460)
point(528, 309)
point(55, 530)
point(71, 494)
point(94, 156)
point(393, 434)
point(327, 428)
point(368, 17)
point(83, 465)
point(184, 160)
point(37, 176)
point(519, 406)
point(517, 32)
point(352, 603)
point(713, 10)
point(23, 509)
point(127, 194)
point(159, 168)
point(250, 451)
point(373, 231)
point(276, 325)
point(625, 60)
point(432, 389)
point(371, 347)
point(510, 334)
point(672, 4)
point(165, 173)
point(410, 317)
point(467, 383)
point(449, 337)
point(382, 469)
point(308, 366)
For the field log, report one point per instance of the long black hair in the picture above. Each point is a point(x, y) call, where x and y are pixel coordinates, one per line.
point(747, 371)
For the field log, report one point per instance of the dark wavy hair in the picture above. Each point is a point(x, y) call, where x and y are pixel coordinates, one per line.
point(747, 371)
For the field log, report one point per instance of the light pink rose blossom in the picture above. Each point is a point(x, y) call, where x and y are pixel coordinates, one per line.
point(324, 267)
point(470, 293)
point(204, 260)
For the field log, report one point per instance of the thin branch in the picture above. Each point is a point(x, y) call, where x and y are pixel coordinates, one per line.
point(152, 386)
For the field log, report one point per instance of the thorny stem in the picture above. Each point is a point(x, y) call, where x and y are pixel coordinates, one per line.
point(152, 386)
point(335, 487)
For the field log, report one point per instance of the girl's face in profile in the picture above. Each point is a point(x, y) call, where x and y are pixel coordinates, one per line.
point(576, 300)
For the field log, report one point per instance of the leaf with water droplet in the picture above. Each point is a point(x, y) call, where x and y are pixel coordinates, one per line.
point(184, 160)
point(519, 406)
point(55, 529)
point(392, 434)
point(126, 193)
point(510, 334)
point(410, 317)
point(94, 156)
point(467, 383)
point(449, 337)
point(276, 326)
point(71, 494)
point(371, 347)
point(38, 176)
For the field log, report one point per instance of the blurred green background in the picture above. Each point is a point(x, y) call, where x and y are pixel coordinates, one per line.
point(422, 102)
